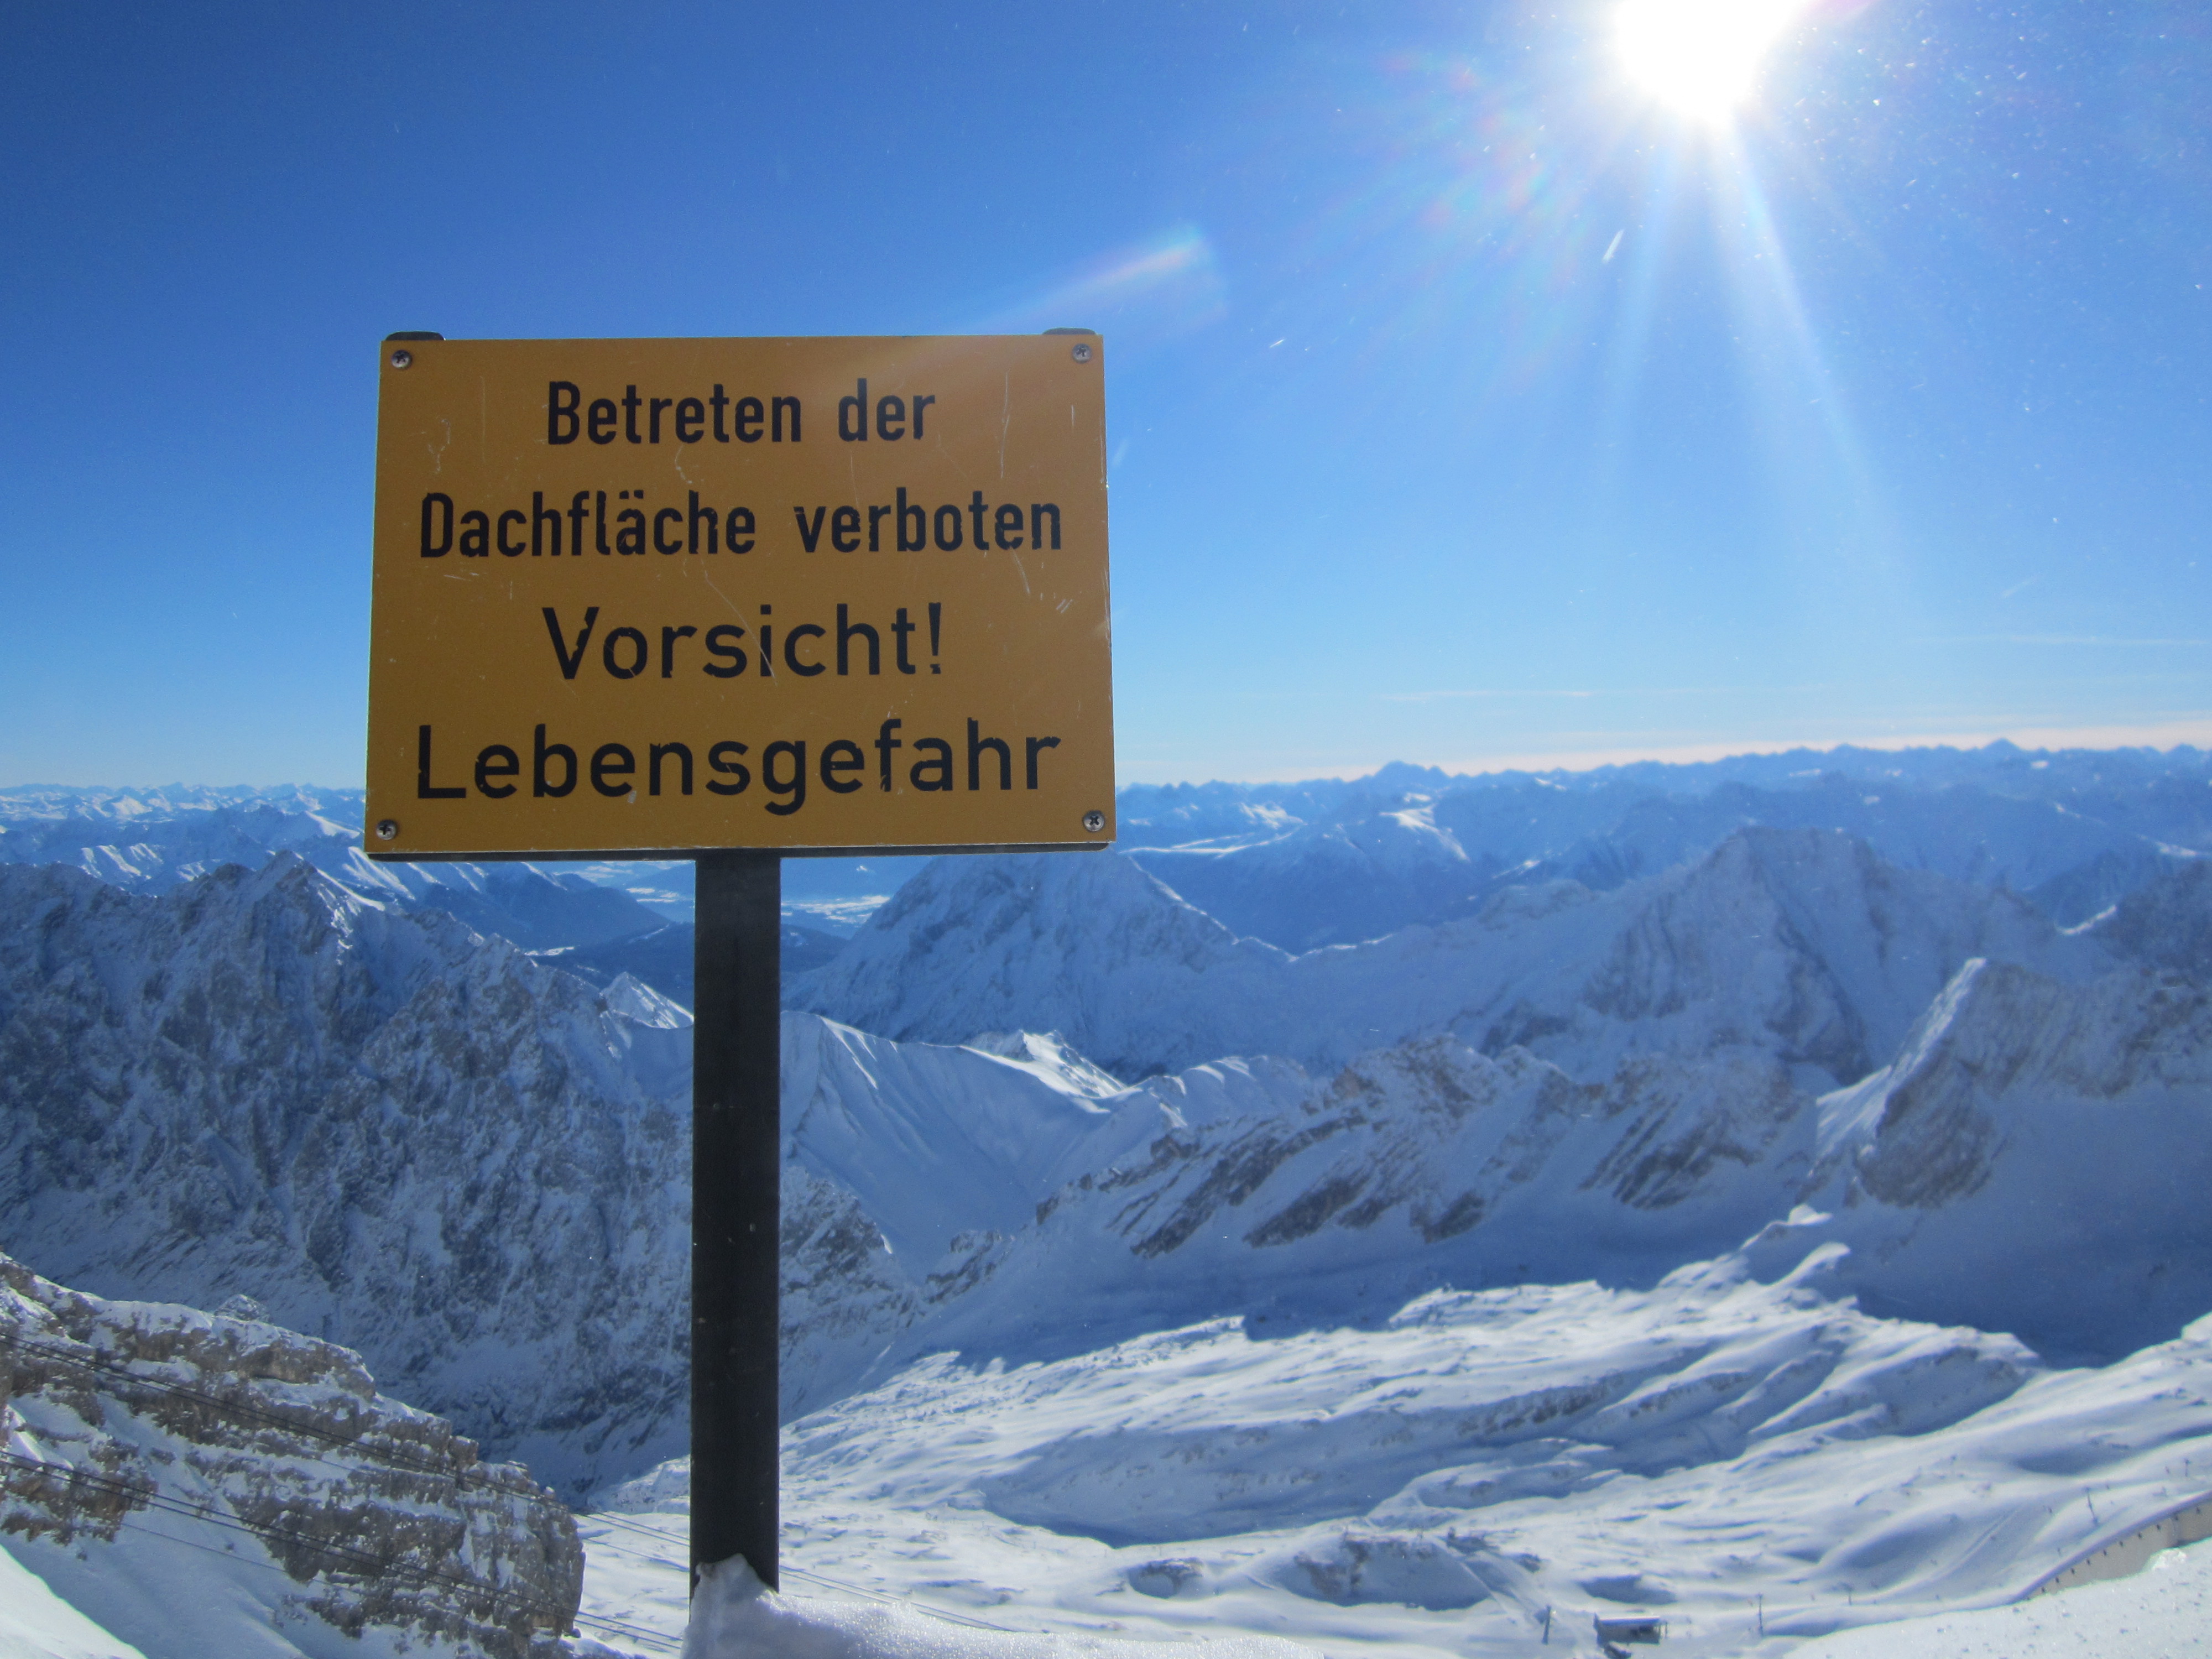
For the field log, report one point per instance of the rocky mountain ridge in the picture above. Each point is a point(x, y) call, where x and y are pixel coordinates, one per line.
point(389, 1131)
point(402, 1135)
point(1800, 943)
point(138, 1438)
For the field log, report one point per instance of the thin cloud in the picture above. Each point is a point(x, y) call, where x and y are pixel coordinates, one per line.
point(1165, 285)
point(1501, 693)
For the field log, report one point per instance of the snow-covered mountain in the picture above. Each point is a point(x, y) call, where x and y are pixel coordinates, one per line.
point(472, 1168)
point(148, 840)
point(1332, 861)
point(391, 1132)
point(1800, 944)
point(1786, 1119)
point(663, 957)
point(395, 1133)
point(153, 842)
point(1299, 864)
point(194, 1484)
point(2035, 1159)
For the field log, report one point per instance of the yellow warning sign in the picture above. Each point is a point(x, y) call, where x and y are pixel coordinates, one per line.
point(655, 596)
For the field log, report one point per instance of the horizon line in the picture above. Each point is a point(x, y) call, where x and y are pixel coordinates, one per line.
point(2191, 733)
point(2160, 738)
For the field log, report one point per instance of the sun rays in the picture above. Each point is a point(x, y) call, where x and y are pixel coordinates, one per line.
point(1700, 58)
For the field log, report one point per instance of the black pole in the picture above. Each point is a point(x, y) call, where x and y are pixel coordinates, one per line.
point(736, 1204)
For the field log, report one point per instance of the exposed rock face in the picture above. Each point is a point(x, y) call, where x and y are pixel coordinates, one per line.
point(393, 1132)
point(274, 1451)
point(2036, 1158)
point(844, 1296)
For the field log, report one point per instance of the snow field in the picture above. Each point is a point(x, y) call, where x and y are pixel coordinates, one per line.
point(1715, 1451)
point(733, 1618)
point(37, 1623)
point(2165, 1612)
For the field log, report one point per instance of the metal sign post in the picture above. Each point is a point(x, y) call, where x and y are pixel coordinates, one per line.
point(735, 600)
point(736, 1201)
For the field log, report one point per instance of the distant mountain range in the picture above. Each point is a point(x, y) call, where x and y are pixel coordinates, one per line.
point(1298, 865)
point(1861, 1057)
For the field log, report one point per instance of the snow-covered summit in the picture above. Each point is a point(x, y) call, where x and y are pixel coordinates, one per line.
point(1800, 943)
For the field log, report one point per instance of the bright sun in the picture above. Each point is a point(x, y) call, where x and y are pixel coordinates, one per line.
point(1699, 58)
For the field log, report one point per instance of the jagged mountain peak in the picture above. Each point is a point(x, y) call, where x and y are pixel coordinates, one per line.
point(1089, 946)
point(2033, 1159)
point(1798, 939)
point(382, 1126)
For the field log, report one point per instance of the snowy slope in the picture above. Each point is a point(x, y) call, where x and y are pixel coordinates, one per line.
point(37, 1623)
point(2035, 1159)
point(1975, 1179)
point(392, 1133)
point(2165, 1612)
point(1714, 1450)
point(1798, 943)
point(203, 1484)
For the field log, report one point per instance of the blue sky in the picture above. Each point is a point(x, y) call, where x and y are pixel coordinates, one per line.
point(1468, 406)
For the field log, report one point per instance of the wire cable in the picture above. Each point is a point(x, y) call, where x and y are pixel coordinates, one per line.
point(370, 1567)
point(359, 1445)
point(368, 1563)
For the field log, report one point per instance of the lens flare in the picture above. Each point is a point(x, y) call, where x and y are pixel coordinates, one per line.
point(1154, 290)
point(1699, 58)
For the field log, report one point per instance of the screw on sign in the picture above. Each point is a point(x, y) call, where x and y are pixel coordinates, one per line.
point(737, 600)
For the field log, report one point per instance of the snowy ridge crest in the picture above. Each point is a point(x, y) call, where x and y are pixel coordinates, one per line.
point(1798, 942)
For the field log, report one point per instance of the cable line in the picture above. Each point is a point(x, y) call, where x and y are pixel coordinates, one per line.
point(359, 1445)
point(371, 1566)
